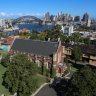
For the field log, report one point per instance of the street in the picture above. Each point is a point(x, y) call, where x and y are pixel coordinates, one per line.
point(47, 91)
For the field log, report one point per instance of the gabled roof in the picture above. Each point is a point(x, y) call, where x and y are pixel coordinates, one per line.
point(42, 48)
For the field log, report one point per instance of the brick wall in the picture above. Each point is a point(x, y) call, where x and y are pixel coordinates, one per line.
point(57, 58)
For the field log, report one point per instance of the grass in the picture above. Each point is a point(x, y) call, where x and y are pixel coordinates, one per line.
point(3, 90)
point(66, 72)
point(3, 52)
point(75, 67)
point(41, 80)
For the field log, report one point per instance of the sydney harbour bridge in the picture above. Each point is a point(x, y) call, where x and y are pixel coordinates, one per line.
point(27, 19)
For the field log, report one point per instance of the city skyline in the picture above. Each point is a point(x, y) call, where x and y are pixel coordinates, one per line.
point(10, 8)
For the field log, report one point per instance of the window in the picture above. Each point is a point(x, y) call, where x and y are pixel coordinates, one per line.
point(49, 65)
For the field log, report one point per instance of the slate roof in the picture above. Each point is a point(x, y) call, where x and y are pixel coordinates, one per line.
point(42, 48)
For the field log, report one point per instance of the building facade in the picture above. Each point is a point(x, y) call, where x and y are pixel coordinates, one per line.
point(51, 54)
point(89, 53)
point(77, 19)
point(86, 17)
point(67, 30)
point(47, 16)
point(89, 23)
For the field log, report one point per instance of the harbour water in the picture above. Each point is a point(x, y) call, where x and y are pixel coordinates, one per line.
point(35, 26)
point(30, 27)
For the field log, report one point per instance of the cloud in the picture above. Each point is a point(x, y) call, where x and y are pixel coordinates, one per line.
point(3, 14)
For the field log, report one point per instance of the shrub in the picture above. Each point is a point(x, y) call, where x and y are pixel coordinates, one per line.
point(53, 72)
point(39, 70)
point(65, 72)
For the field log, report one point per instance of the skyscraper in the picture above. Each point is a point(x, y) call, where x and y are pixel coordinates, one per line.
point(47, 16)
point(2, 23)
point(89, 23)
point(86, 17)
point(77, 19)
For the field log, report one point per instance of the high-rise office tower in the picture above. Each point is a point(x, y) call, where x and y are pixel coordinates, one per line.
point(77, 19)
point(86, 17)
point(2, 23)
point(66, 17)
point(47, 16)
point(59, 16)
point(89, 23)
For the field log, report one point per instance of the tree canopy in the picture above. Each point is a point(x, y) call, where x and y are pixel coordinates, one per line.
point(83, 83)
point(6, 60)
point(76, 53)
point(19, 76)
point(75, 37)
point(55, 32)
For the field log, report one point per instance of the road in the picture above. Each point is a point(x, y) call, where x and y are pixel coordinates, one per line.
point(58, 90)
point(71, 72)
point(47, 91)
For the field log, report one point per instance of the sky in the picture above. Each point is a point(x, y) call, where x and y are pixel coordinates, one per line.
point(17, 8)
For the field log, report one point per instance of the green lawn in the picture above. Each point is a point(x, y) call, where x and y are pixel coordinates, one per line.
point(3, 52)
point(41, 80)
point(5, 91)
point(75, 67)
point(2, 88)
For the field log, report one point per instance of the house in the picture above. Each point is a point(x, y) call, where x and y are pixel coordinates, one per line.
point(14, 36)
point(24, 31)
point(94, 34)
point(51, 54)
point(89, 52)
point(7, 40)
point(6, 43)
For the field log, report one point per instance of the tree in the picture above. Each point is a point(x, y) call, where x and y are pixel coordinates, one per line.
point(94, 42)
point(42, 38)
point(25, 35)
point(81, 40)
point(76, 53)
point(75, 37)
point(83, 83)
point(35, 31)
point(53, 72)
point(6, 60)
point(87, 41)
point(55, 32)
point(19, 76)
point(63, 38)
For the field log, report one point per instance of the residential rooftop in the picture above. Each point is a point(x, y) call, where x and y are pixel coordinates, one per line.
point(87, 49)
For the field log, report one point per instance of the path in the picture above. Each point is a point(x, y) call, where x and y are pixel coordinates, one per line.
point(47, 91)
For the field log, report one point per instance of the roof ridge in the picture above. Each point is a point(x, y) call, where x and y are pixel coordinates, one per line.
point(25, 45)
point(37, 40)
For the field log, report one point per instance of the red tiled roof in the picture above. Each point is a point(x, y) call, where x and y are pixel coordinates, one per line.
point(7, 40)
